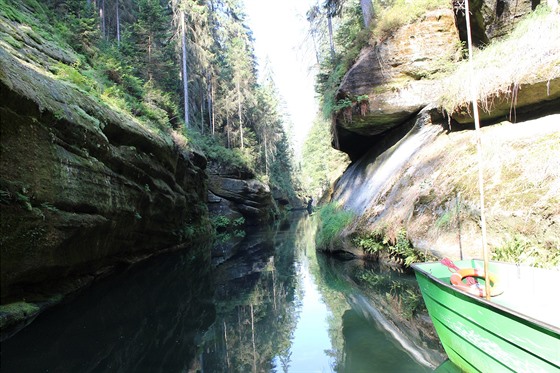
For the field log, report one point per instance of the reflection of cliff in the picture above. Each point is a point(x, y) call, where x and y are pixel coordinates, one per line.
point(145, 319)
point(391, 302)
point(255, 305)
point(362, 344)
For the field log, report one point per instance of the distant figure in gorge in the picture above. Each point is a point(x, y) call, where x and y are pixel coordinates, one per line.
point(310, 205)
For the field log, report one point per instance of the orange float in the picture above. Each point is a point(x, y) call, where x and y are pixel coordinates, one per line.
point(476, 289)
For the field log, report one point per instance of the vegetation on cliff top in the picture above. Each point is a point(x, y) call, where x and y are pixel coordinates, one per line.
point(338, 49)
point(128, 54)
point(530, 54)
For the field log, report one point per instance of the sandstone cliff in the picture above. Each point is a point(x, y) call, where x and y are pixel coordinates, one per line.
point(83, 186)
point(399, 76)
point(395, 77)
point(86, 187)
point(234, 193)
point(415, 164)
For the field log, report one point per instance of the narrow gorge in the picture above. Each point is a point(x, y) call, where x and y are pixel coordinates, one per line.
point(86, 187)
point(122, 145)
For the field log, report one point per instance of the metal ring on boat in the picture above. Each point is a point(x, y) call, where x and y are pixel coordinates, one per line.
point(476, 289)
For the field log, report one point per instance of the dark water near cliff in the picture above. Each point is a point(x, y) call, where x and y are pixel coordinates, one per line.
point(274, 305)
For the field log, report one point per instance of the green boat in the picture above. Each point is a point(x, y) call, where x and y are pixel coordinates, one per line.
point(516, 331)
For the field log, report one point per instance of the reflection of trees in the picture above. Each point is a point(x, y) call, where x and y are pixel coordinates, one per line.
point(256, 309)
point(331, 289)
point(258, 300)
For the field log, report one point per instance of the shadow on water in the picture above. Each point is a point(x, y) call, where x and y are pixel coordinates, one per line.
point(272, 305)
point(145, 319)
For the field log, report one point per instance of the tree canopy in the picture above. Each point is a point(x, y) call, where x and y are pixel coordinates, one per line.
point(182, 66)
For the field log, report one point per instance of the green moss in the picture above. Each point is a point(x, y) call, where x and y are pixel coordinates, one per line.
point(11, 41)
point(73, 75)
point(16, 312)
point(11, 13)
point(445, 219)
point(333, 220)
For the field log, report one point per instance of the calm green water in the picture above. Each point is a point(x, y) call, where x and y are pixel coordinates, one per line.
point(272, 305)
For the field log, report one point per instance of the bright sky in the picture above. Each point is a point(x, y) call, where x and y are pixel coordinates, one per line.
point(279, 28)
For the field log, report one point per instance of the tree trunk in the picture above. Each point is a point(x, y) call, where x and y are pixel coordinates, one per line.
point(213, 116)
point(315, 48)
point(209, 98)
point(150, 40)
point(367, 12)
point(185, 74)
point(102, 17)
point(226, 342)
point(239, 112)
point(265, 155)
point(228, 130)
point(253, 340)
point(202, 115)
point(118, 25)
point(331, 41)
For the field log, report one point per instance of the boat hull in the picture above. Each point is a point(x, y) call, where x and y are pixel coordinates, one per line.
point(485, 336)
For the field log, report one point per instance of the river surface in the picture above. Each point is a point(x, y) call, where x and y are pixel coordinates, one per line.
point(272, 304)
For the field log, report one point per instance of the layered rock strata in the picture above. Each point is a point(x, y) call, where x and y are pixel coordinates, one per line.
point(83, 187)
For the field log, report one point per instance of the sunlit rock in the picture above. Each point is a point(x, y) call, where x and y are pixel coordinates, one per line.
point(398, 76)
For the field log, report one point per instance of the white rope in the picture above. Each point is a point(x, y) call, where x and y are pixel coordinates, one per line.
point(479, 152)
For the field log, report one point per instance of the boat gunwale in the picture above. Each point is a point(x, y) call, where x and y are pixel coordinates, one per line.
point(488, 303)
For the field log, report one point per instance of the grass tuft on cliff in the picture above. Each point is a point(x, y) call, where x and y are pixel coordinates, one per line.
point(530, 54)
point(332, 221)
point(403, 12)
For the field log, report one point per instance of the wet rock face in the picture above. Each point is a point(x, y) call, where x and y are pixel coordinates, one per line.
point(83, 187)
point(397, 75)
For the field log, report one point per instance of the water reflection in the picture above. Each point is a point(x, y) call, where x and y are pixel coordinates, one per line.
point(145, 319)
point(255, 308)
point(281, 307)
point(271, 305)
point(387, 328)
